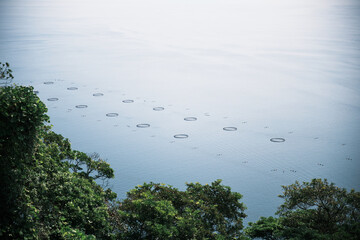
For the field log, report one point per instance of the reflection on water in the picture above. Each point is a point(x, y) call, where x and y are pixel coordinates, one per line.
point(264, 68)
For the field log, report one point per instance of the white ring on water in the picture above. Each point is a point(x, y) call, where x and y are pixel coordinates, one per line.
point(190, 119)
point(181, 136)
point(277, 140)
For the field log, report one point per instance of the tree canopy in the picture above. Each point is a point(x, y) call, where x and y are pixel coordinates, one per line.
point(312, 210)
point(159, 211)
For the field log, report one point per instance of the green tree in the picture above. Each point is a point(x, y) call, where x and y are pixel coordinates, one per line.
point(312, 210)
point(64, 198)
point(48, 189)
point(265, 228)
point(22, 115)
point(158, 211)
point(321, 209)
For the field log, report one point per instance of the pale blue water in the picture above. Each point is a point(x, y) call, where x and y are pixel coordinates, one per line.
point(269, 69)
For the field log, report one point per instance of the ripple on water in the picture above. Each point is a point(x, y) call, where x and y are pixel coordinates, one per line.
point(98, 94)
point(53, 99)
point(128, 101)
point(181, 136)
point(158, 109)
point(190, 119)
point(229, 129)
point(72, 88)
point(143, 125)
point(81, 106)
point(112, 114)
point(277, 140)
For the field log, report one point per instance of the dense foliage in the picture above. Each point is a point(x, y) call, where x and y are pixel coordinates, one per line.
point(158, 211)
point(50, 191)
point(264, 228)
point(312, 210)
point(22, 115)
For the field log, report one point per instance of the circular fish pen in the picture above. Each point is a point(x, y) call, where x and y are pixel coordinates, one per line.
point(190, 119)
point(143, 125)
point(229, 129)
point(181, 136)
point(158, 109)
point(81, 106)
point(72, 88)
point(112, 114)
point(277, 140)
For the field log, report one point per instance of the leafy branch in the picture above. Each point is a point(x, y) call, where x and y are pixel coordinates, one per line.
point(5, 71)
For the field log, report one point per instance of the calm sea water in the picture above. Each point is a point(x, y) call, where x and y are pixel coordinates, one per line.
point(268, 69)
